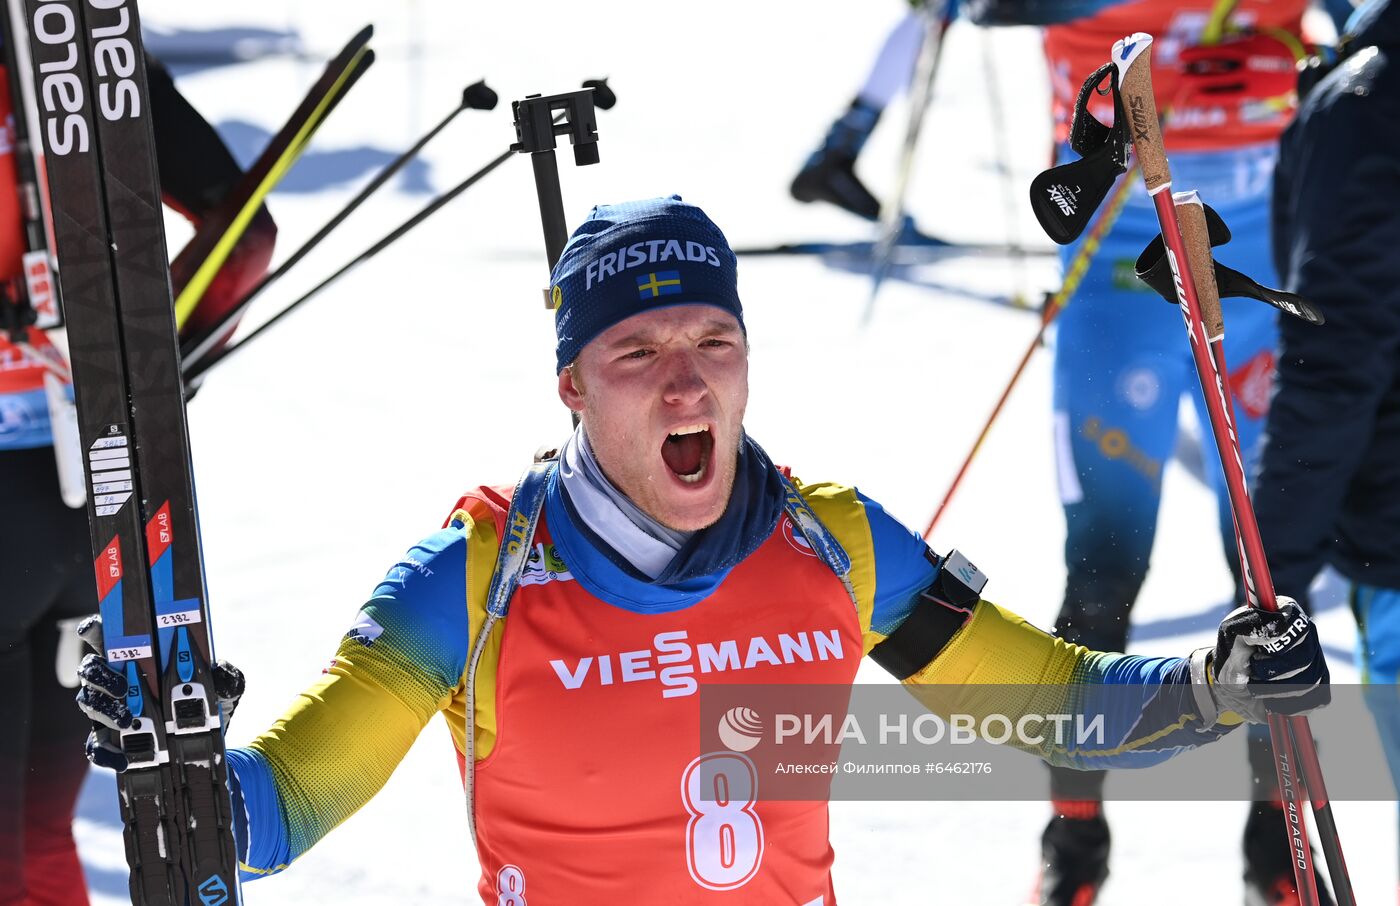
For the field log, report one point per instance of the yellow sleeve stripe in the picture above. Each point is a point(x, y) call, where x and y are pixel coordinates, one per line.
point(1133, 744)
point(841, 511)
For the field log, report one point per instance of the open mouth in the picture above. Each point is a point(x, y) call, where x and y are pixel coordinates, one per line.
point(686, 452)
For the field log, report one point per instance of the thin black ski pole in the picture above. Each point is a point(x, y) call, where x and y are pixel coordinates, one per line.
point(938, 16)
point(196, 371)
point(206, 253)
point(193, 374)
point(476, 96)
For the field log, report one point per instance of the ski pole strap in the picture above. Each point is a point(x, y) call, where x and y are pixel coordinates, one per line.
point(16, 315)
point(1133, 58)
point(1065, 197)
point(1086, 134)
point(1153, 269)
point(824, 544)
point(523, 518)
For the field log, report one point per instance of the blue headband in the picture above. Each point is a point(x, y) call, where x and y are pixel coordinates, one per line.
point(634, 257)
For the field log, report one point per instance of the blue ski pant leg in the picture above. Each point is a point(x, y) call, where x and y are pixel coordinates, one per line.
point(1122, 361)
point(1118, 378)
point(1378, 648)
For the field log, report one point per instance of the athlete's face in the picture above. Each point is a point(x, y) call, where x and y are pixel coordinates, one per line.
point(662, 397)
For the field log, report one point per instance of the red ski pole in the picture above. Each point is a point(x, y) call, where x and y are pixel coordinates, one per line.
point(1200, 305)
point(1191, 216)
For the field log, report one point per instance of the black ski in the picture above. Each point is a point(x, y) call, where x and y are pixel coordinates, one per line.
point(91, 81)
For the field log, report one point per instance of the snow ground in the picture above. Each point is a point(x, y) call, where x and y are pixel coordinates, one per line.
point(344, 435)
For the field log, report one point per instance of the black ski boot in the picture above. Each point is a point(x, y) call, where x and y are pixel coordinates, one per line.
point(1268, 863)
point(1073, 860)
point(829, 174)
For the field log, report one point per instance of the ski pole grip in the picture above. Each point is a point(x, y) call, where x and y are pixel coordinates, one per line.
point(1132, 56)
point(1191, 215)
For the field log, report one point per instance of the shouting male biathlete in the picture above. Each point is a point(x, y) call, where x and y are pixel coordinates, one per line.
point(563, 628)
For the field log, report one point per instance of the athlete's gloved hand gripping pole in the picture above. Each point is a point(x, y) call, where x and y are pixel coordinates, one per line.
point(1186, 240)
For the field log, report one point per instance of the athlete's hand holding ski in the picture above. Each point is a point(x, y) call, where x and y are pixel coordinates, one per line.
point(102, 697)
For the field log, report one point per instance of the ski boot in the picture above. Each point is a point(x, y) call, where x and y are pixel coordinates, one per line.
point(1268, 867)
point(1073, 860)
point(829, 174)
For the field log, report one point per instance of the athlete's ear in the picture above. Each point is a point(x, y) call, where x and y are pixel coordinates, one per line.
point(571, 388)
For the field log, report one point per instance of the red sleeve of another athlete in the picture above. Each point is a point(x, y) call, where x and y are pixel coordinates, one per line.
point(11, 221)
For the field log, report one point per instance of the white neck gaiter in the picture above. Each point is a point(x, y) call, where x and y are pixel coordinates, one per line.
point(642, 541)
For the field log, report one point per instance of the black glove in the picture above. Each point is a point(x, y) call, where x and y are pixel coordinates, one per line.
point(1262, 663)
point(102, 697)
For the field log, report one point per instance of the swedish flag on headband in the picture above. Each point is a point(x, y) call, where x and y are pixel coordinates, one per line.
point(673, 251)
point(661, 283)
